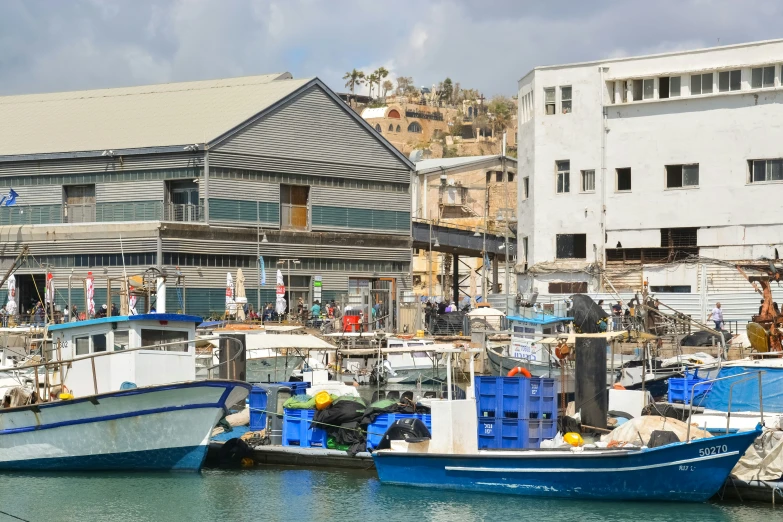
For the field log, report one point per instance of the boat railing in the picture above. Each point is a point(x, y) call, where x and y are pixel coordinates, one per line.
point(157, 346)
point(751, 375)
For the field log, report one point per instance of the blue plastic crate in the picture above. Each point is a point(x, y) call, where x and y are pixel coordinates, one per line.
point(680, 388)
point(487, 394)
point(542, 407)
point(257, 402)
point(297, 387)
point(514, 433)
point(542, 429)
point(513, 399)
point(542, 387)
point(298, 429)
point(488, 432)
point(377, 429)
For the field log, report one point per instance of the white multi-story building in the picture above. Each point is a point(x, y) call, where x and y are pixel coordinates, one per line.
point(665, 168)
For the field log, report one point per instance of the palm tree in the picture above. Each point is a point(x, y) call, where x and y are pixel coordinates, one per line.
point(353, 78)
point(372, 80)
point(382, 73)
point(387, 86)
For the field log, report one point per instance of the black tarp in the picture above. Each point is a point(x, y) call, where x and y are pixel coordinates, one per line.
point(448, 324)
point(588, 316)
point(701, 338)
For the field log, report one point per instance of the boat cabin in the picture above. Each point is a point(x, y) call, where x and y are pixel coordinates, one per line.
point(159, 362)
point(527, 330)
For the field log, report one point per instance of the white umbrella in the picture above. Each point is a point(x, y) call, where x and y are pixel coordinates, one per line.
point(90, 283)
point(131, 302)
point(241, 298)
point(231, 306)
point(10, 307)
point(280, 304)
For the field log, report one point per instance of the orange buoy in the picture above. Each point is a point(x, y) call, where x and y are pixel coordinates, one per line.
point(519, 370)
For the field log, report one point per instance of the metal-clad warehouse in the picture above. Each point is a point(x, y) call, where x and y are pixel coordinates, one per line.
point(202, 176)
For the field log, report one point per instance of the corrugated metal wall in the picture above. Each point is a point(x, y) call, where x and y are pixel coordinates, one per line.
point(302, 135)
point(244, 190)
point(130, 191)
point(353, 198)
point(38, 195)
point(624, 276)
point(103, 164)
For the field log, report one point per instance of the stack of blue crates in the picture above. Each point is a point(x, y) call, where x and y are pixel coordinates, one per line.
point(297, 387)
point(378, 427)
point(298, 429)
point(680, 388)
point(515, 412)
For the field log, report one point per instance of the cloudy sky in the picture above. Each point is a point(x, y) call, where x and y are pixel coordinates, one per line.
point(54, 45)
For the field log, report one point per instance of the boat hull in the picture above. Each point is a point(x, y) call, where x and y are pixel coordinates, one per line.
point(158, 428)
point(689, 472)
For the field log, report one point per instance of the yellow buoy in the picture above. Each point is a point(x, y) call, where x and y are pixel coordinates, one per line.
point(65, 396)
point(322, 400)
point(573, 438)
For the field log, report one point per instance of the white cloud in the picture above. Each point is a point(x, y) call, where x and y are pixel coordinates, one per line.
point(487, 45)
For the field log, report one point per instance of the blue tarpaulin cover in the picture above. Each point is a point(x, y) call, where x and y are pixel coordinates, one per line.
point(746, 394)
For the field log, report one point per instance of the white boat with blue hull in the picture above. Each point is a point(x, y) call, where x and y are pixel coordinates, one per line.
point(164, 427)
point(690, 472)
point(136, 404)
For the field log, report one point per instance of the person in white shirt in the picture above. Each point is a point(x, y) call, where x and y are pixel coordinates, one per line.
point(717, 317)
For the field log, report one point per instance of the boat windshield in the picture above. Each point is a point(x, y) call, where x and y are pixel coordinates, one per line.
point(151, 337)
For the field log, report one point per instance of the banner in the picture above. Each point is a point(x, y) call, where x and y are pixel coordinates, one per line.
point(262, 272)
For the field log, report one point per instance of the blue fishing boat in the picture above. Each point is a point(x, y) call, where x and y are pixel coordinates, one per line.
point(686, 471)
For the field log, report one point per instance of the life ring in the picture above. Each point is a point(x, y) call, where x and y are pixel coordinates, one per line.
point(519, 370)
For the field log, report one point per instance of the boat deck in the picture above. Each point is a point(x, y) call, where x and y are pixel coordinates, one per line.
point(301, 457)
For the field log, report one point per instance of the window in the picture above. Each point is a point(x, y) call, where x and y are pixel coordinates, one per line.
point(525, 251)
point(578, 287)
point(499, 176)
point(394, 113)
point(525, 187)
point(623, 179)
point(391, 127)
point(637, 90)
point(489, 177)
point(294, 206)
point(510, 177)
point(571, 246)
point(623, 91)
point(729, 81)
point(766, 170)
point(762, 77)
point(588, 181)
point(701, 83)
point(565, 99)
point(79, 203)
point(563, 177)
point(649, 89)
point(679, 237)
point(120, 340)
point(678, 176)
point(549, 100)
point(378, 127)
point(680, 289)
point(82, 345)
point(668, 87)
point(414, 127)
point(99, 343)
point(151, 338)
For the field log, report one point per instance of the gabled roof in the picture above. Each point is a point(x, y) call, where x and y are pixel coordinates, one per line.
point(444, 164)
point(174, 114)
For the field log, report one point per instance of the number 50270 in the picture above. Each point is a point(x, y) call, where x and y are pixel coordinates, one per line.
point(713, 450)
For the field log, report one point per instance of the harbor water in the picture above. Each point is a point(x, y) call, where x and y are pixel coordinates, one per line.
point(296, 495)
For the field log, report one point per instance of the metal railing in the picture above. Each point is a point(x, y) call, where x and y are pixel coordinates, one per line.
point(183, 212)
point(93, 356)
point(30, 215)
point(731, 389)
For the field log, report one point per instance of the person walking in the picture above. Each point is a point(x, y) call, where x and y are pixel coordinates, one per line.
point(717, 317)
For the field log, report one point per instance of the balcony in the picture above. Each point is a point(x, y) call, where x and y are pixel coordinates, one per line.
point(100, 213)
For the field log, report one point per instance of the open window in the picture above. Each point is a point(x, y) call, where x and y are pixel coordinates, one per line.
point(571, 246)
point(681, 176)
point(182, 201)
point(549, 100)
point(294, 205)
point(624, 180)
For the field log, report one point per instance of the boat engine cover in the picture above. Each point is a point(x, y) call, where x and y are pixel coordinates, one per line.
point(409, 430)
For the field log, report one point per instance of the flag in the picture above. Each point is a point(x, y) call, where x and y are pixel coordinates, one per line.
point(262, 271)
point(49, 288)
point(10, 199)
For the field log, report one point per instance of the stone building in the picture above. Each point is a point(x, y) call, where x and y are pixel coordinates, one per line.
point(199, 179)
